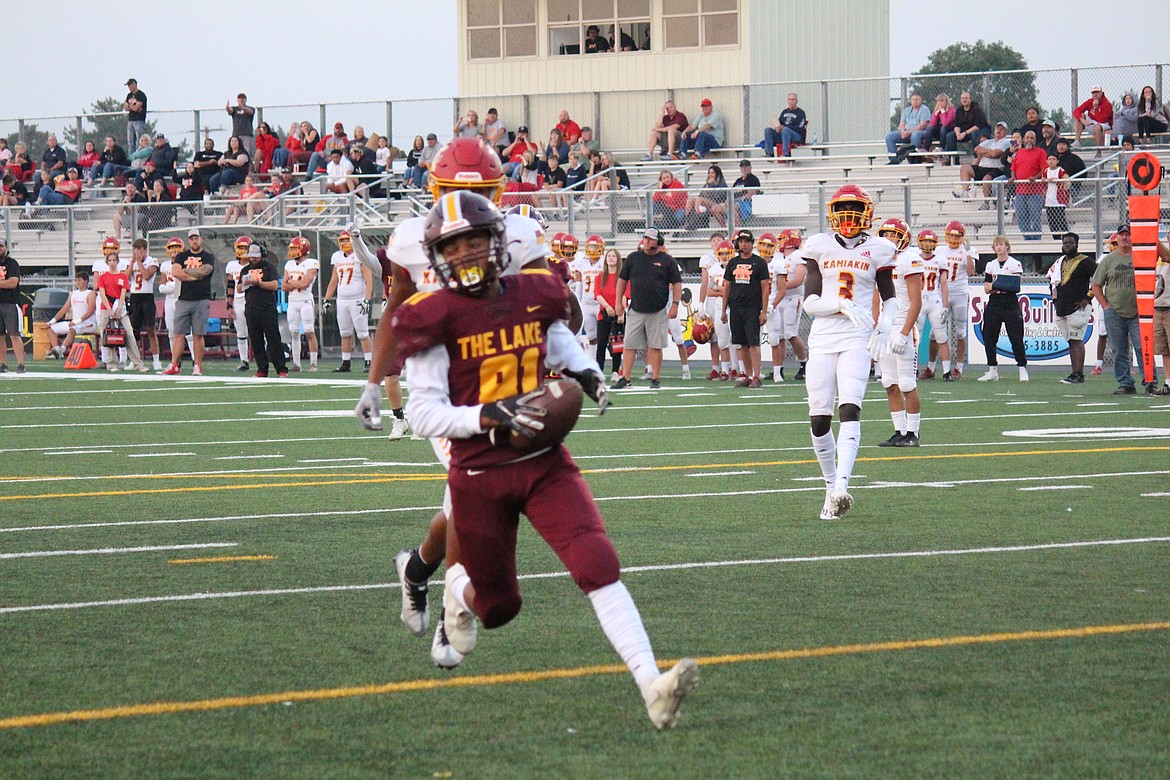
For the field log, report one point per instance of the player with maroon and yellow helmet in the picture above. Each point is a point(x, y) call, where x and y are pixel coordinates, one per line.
point(958, 259)
point(300, 277)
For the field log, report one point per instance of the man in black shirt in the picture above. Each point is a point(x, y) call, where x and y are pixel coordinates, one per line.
point(745, 187)
point(207, 162)
point(193, 268)
point(655, 284)
point(1070, 278)
point(242, 115)
point(594, 43)
point(747, 285)
point(54, 158)
point(259, 280)
point(135, 106)
point(367, 173)
point(10, 309)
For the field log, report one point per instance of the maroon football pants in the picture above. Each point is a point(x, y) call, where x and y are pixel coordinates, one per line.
point(550, 491)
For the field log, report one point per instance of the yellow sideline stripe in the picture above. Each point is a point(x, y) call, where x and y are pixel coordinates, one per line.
point(514, 678)
point(380, 478)
point(224, 559)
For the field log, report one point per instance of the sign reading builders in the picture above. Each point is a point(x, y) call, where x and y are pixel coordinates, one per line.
point(1042, 336)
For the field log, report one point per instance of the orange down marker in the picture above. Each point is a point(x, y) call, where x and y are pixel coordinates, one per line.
point(1145, 173)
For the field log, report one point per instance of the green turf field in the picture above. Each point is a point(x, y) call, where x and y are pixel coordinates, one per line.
point(996, 605)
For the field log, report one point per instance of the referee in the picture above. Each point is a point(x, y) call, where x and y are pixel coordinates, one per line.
point(259, 281)
point(747, 285)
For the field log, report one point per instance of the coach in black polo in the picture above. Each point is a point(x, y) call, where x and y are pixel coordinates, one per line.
point(654, 284)
point(747, 284)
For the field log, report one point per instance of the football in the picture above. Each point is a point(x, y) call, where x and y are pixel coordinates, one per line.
point(561, 399)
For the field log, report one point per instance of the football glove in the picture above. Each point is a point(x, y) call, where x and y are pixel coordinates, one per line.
point(363, 307)
point(326, 306)
point(369, 407)
point(856, 313)
point(900, 342)
point(515, 414)
point(594, 386)
point(945, 317)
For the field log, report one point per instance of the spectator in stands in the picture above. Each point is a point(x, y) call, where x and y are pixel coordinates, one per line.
point(529, 170)
point(557, 147)
point(233, 167)
point(1069, 160)
point(324, 150)
point(5, 153)
point(190, 185)
point(1152, 115)
point(413, 174)
point(427, 159)
point(127, 206)
point(790, 128)
point(586, 144)
point(1033, 123)
point(310, 138)
point(1027, 172)
point(467, 126)
point(711, 199)
point(148, 175)
point(703, 134)
point(1094, 115)
point(971, 125)
point(135, 107)
point(64, 191)
point(382, 153)
point(112, 161)
point(569, 130)
point(160, 213)
point(668, 132)
point(292, 144)
point(1056, 197)
point(513, 154)
point(359, 141)
point(55, 158)
point(247, 192)
point(21, 164)
point(8, 194)
point(142, 153)
point(912, 131)
point(1048, 135)
point(1125, 118)
point(746, 187)
point(163, 155)
point(576, 173)
point(988, 163)
point(88, 160)
point(594, 43)
point(554, 181)
point(266, 145)
point(337, 173)
point(942, 121)
point(206, 162)
point(495, 131)
point(242, 115)
point(670, 201)
point(280, 183)
point(364, 179)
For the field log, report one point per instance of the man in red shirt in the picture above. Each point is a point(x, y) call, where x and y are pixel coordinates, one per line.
point(1094, 115)
point(1028, 174)
point(570, 130)
point(112, 289)
point(666, 132)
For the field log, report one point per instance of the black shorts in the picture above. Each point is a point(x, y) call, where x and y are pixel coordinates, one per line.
point(745, 326)
point(142, 311)
point(10, 322)
point(981, 173)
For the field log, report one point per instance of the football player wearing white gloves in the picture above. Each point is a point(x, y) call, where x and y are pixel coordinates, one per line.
point(900, 361)
point(957, 258)
point(844, 266)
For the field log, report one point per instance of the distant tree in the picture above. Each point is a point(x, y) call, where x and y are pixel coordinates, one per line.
point(1009, 94)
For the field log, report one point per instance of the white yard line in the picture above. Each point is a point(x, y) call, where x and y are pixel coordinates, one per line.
point(81, 452)
point(1056, 487)
point(242, 457)
point(114, 550)
point(160, 454)
point(719, 473)
point(562, 574)
point(185, 405)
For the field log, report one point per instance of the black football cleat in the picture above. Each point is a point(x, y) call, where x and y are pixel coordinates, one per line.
point(909, 440)
point(893, 441)
point(343, 368)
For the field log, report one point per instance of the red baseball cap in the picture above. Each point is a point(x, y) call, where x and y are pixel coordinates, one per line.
point(705, 102)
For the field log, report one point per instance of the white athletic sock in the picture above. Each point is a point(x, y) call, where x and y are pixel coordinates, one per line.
point(726, 367)
point(157, 362)
point(242, 348)
point(346, 355)
point(456, 581)
point(946, 366)
point(932, 364)
point(619, 619)
point(122, 355)
point(1098, 362)
point(312, 358)
point(826, 449)
point(914, 421)
point(847, 453)
point(959, 366)
point(368, 356)
point(899, 419)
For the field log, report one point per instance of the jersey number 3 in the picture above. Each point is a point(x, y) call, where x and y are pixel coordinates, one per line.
point(503, 375)
point(846, 279)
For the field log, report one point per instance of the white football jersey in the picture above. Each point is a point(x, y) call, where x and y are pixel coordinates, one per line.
point(232, 271)
point(931, 276)
point(298, 269)
point(350, 281)
point(587, 274)
point(526, 243)
point(167, 284)
point(954, 262)
point(908, 263)
point(139, 284)
point(715, 271)
point(846, 273)
point(790, 263)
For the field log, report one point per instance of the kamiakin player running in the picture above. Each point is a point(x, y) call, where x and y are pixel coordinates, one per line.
point(300, 275)
point(900, 362)
point(935, 304)
point(463, 164)
point(843, 268)
point(465, 395)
